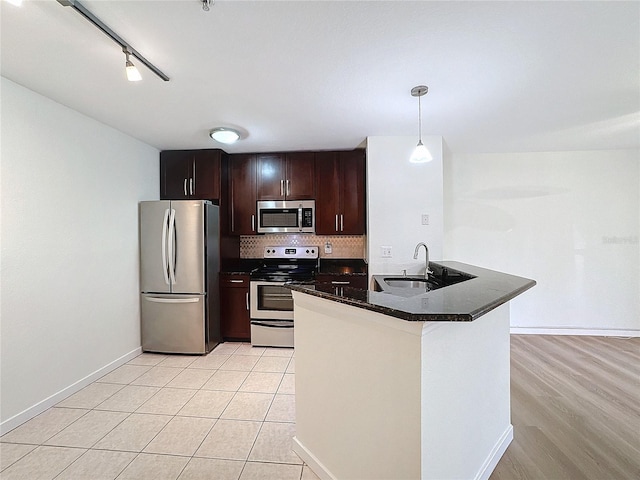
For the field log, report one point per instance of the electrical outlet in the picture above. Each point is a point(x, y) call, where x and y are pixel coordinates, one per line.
point(385, 252)
point(328, 248)
point(425, 219)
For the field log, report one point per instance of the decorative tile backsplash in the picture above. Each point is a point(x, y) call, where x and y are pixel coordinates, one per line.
point(342, 246)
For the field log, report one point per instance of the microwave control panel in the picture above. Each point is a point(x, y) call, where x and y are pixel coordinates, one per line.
point(307, 217)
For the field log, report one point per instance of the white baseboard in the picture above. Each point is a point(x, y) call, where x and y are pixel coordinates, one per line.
point(594, 332)
point(483, 474)
point(49, 402)
point(496, 454)
point(307, 457)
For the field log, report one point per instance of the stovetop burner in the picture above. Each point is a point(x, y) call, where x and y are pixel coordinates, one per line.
point(287, 264)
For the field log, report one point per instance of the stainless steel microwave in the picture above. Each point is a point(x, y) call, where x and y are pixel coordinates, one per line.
point(286, 216)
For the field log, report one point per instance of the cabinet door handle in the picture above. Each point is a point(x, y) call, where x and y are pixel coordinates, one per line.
point(253, 223)
point(191, 186)
point(237, 281)
point(288, 188)
point(247, 300)
point(335, 282)
point(193, 178)
point(341, 223)
point(282, 188)
point(336, 222)
point(185, 187)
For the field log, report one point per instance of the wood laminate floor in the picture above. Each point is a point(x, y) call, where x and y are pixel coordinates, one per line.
point(575, 409)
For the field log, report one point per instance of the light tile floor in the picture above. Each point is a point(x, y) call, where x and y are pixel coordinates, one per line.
point(229, 415)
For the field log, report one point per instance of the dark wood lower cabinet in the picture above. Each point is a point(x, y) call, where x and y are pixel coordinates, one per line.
point(354, 281)
point(235, 321)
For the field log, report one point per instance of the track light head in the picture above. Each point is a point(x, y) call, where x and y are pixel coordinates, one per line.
point(133, 74)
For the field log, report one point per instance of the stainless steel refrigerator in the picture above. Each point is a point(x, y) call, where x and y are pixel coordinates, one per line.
point(179, 264)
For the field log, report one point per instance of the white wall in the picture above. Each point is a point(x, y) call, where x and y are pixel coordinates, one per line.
point(398, 193)
point(569, 220)
point(69, 253)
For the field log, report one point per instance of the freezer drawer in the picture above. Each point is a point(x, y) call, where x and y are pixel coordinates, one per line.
point(173, 323)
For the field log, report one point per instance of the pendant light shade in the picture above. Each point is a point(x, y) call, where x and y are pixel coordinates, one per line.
point(421, 153)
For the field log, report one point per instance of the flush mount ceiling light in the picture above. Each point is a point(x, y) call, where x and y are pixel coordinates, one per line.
point(421, 154)
point(126, 48)
point(133, 75)
point(206, 4)
point(224, 135)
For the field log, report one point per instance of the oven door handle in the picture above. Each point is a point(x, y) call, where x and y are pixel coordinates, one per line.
point(272, 324)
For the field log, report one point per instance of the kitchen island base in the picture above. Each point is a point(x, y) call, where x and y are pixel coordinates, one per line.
point(382, 398)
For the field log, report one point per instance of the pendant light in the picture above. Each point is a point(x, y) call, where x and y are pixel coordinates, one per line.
point(133, 75)
point(421, 154)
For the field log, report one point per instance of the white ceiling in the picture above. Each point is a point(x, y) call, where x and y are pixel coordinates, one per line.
point(502, 76)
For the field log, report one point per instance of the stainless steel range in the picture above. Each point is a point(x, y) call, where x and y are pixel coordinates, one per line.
point(271, 302)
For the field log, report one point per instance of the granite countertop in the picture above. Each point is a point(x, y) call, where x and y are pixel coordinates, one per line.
point(242, 266)
point(461, 302)
point(342, 266)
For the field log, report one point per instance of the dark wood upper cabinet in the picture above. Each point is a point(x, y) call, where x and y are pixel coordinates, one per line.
point(328, 187)
point(242, 194)
point(336, 180)
point(300, 178)
point(340, 186)
point(271, 173)
point(190, 174)
point(285, 176)
point(352, 193)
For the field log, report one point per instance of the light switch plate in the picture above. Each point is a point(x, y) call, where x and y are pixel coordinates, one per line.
point(425, 219)
point(385, 252)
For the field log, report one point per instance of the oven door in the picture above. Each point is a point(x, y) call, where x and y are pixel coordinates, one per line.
point(270, 301)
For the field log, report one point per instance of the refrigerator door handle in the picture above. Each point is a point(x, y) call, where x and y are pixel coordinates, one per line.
point(164, 246)
point(172, 247)
point(172, 300)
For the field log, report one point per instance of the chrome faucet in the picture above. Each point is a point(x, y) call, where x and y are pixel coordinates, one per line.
point(426, 264)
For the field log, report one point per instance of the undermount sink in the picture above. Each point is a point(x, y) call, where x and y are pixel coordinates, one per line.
point(407, 282)
point(409, 286)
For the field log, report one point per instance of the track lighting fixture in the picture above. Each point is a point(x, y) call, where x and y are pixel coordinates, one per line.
point(421, 154)
point(133, 75)
point(126, 48)
point(206, 4)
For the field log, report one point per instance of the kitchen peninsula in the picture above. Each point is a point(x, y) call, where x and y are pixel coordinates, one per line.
point(394, 382)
